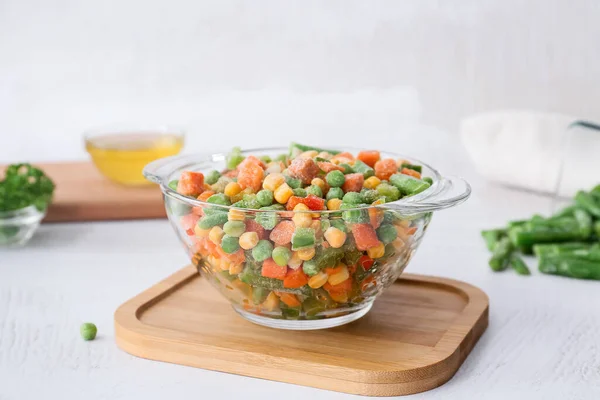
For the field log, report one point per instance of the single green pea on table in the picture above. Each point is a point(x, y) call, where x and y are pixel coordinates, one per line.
point(565, 244)
point(88, 331)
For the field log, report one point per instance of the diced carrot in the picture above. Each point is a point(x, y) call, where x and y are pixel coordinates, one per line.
point(311, 201)
point(412, 230)
point(366, 262)
point(283, 232)
point(237, 258)
point(369, 157)
point(295, 279)
point(271, 270)
point(369, 281)
point(251, 176)
point(205, 195)
point(328, 167)
point(343, 287)
point(385, 168)
point(251, 160)
point(411, 172)
point(376, 217)
point(364, 236)
point(304, 169)
point(253, 226)
point(289, 299)
point(343, 157)
point(353, 183)
point(334, 270)
point(232, 173)
point(190, 183)
point(188, 222)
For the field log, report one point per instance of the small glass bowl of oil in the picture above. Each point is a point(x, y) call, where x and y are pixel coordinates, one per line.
point(121, 154)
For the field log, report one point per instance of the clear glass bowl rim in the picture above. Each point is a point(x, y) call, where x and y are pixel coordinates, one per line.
point(180, 162)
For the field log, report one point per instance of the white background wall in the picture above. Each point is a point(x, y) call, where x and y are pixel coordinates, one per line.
point(257, 71)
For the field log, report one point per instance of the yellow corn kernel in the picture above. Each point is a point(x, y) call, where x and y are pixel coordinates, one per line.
point(318, 280)
point(274, 167)
point(301, 207)
point(235, 215)
point(376, 251)
point(273, 181)
point(235, 269)
point(339, 277)
point(216, 234)
point(248, 240)
point(225, 264)
point(308, 154)
point(306, 254)
point(335, 237)
point(320, 183)
point(295, 261)
point(400, 161)
point(324, 154)
point(302, 219)
point(271, 303)
point(334, 204)
point(201, 232)
point(283, 193)
point(404, 223)
point(372, 182)
point(232, 189)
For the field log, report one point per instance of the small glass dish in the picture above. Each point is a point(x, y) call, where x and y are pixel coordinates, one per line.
point(18, 226)
point(120, 153)
point(273, 303)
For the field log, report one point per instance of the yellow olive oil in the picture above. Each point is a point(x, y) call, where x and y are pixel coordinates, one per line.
point(121, 157)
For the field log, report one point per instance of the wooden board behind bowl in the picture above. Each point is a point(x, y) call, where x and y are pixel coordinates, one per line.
point(83, 194)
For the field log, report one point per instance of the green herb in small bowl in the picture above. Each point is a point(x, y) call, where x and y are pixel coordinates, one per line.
point(25, 193)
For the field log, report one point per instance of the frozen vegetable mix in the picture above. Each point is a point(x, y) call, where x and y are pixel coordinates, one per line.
point(302, 235)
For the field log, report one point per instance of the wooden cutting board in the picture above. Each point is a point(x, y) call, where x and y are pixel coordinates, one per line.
point(414, 339)
point(83, 194)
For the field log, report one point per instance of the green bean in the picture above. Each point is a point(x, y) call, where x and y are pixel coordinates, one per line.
point(501, 255)
point(588, 202)
point(517, 264)
point(492, 237)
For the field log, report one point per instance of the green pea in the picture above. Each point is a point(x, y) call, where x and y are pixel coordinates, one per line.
point(267, 220)
point(363, 168)
point(335, 178)
point(234, 158)
point(314, 190)
point(352, 198)
point(370, 196)
point(262, 250)
point(230, 244)
point(173, 184)
point(392, 193)
point(347, 168)
point(339, 224)
point(219, 198)
point(354, 216)
point(234, 228)
point(293, 182)
point(219, 186)
point(88, 331)
point(300, 192)
point(265, 159)
point(212, 177)
point(387, 233)
point(310, 267)
point(265, 197)
point(335, 193)
point(208, 221)
point(281, 255)
point(251, 201)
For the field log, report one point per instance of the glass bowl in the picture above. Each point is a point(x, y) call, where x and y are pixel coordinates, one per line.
point(290, 303)
point(18, 226)
point(120, 153)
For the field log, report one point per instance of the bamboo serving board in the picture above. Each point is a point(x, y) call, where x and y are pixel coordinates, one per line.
point(414, 339)
point(83, 194)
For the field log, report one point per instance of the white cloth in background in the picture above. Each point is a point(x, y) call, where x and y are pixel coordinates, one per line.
point(524, 149)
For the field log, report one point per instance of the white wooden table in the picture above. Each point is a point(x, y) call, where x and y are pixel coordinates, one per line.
point(543, 341)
